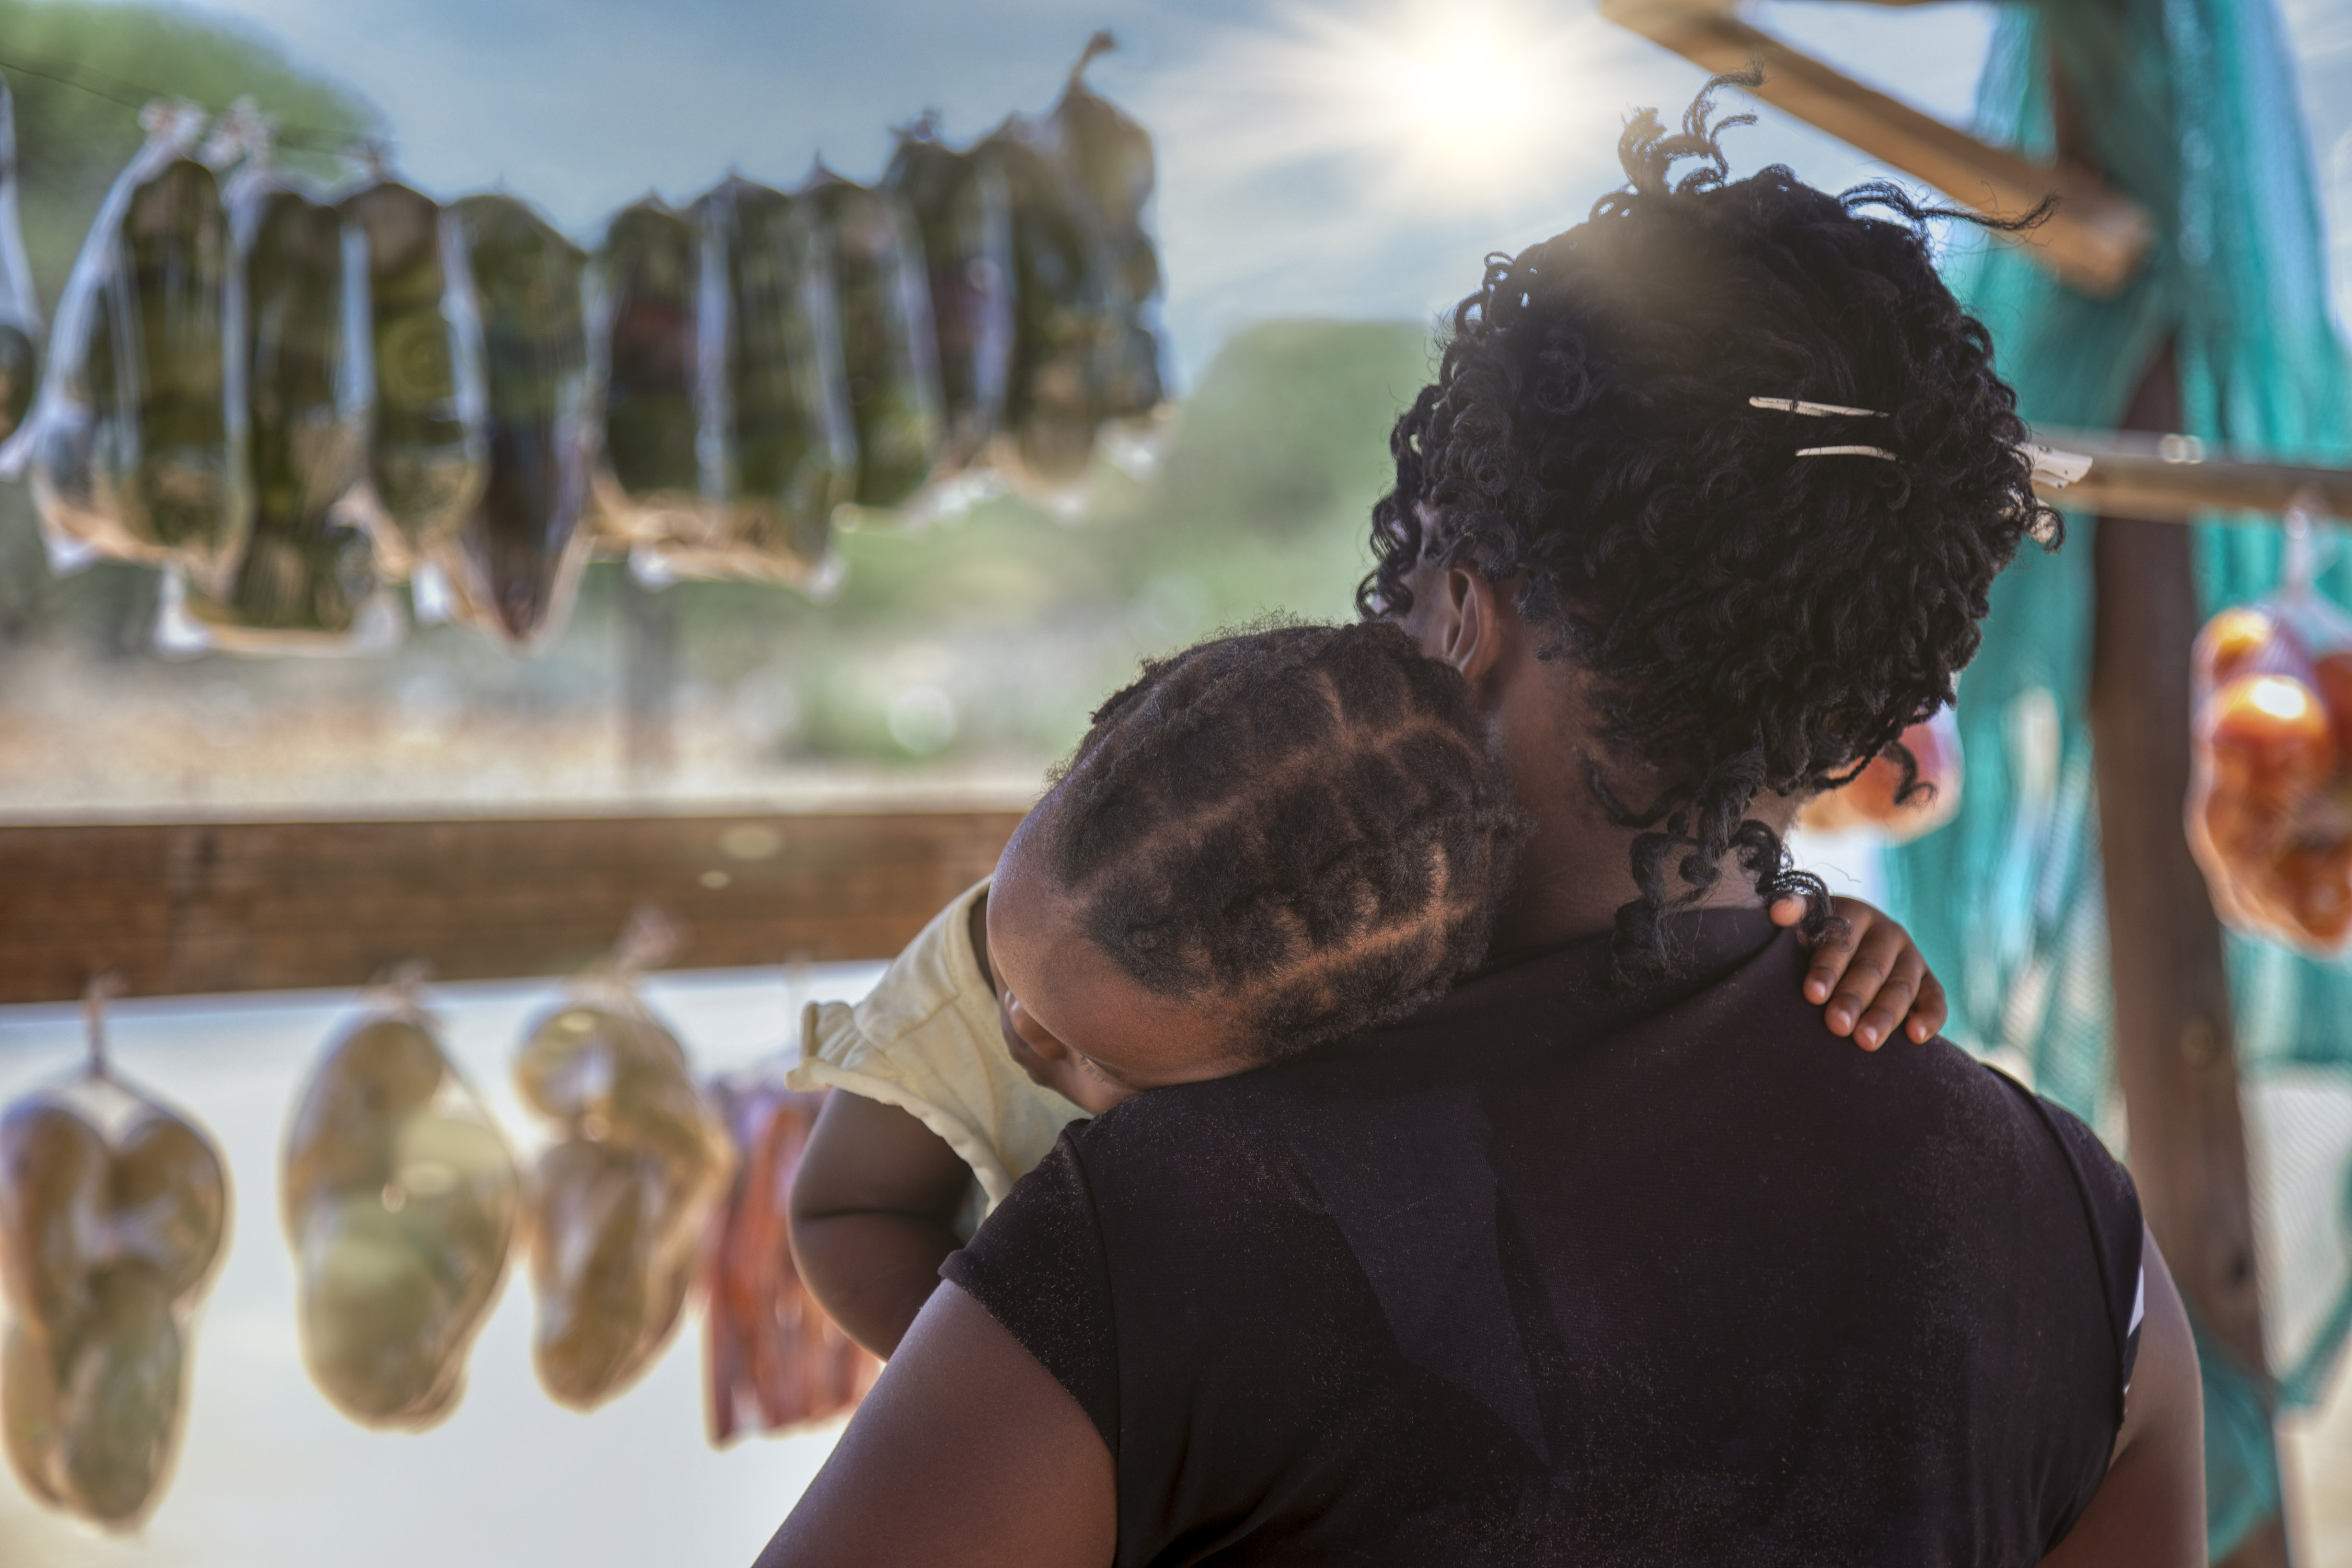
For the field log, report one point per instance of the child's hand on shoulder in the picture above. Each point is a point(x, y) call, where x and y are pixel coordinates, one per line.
point(1868, 976)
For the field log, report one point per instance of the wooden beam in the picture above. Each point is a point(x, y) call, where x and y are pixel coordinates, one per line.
point(198, 906)
point(2178, 479)
point(2176, 1057)
point(2094, 238)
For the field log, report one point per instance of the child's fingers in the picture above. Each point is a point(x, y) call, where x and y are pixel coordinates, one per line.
point(1928, 1011)
point(1833, 954)
point(1894, 1000)
point(1787, 909)
point(1877, 949)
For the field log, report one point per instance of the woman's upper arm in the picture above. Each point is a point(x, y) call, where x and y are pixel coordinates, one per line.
point(968, 1453)
point(2150, 1511)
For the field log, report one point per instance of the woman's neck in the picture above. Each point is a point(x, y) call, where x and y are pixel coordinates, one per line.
point(1577, 871)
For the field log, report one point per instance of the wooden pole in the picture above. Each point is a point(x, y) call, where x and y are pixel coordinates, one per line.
point(2094, 240)
point(2178, 479)
point(648, 681)
point(189, 907)
point(2175, 1054)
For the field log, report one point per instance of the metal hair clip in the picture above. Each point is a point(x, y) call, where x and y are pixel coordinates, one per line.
point(1827, 411)
point(2053, 469)
point(1815, 410)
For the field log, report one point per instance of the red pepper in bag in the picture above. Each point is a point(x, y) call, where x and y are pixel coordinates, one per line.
point(2270, 801)
point(1875, 797)
point(774, 1360)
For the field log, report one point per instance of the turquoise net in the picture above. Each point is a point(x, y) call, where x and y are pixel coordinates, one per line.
point(2191, 108)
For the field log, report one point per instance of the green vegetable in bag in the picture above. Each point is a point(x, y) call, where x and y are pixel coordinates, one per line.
point(963, 215)
point(169, 369)
point(304, 572)
point(649, 280)
point(20, 310)
point(518, 555)
point(783, 452)
point(889, 355)
point(1108, 159)
point(425, 456)
point(1065, 317)
point(135, 436)
point(401, 1201)
point(114, 1214)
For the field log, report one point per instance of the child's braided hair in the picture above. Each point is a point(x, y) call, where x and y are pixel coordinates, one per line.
point(1753, 620)
point(1303, 819)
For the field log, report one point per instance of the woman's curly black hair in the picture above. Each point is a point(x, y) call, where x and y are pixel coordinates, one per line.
point(1300, 822)
point(1752, 621)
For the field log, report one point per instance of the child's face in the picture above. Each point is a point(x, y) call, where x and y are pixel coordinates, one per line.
point(1077, 1024)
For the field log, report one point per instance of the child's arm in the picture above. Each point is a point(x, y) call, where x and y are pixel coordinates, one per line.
point(875, 1203)
point(873, 1212)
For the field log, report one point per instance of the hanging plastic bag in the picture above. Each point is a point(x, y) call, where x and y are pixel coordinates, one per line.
point(308, 582)
point(774, 1359)
point(20, 305)
point(401, 1201)
point(620, 1203)
point(1877, 797)
point(515, 558)
point(2270, 801)
point(963, 214)
point(1108, 157)
point(1067, 320)
point(779, 452)
point(427, 449)
point(889, 355)
point(136, 439)
point(113, 1217)
point(647, 283)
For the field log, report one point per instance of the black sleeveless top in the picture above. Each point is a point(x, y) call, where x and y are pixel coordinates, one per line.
point(1554, 1274)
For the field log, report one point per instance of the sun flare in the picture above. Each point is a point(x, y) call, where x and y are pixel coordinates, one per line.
point(1468, 97)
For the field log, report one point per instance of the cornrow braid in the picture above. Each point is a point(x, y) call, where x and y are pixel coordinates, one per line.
point(1752, 620)
point(1301, 821)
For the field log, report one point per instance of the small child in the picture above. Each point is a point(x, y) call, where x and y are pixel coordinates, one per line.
point(1269, 841)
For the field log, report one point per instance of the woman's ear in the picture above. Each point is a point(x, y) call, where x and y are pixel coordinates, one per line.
point(1474, 620)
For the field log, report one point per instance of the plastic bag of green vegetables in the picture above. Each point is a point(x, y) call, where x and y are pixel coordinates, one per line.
point(1108, 158)
point(136, 438)
point(779, 452)
point(889, 357)
point(644, 290)
point(964, 214)
point(20, 305)
point(1068, 318)
point(401, 1200)
point(516, 559)
point(425, 454)
point(308, 582)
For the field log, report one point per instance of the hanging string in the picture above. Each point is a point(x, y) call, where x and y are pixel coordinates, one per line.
point(104, 985)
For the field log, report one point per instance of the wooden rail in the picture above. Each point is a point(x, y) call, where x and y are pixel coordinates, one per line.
point(199, 907)
point(2093, 240)
point(2178, 478)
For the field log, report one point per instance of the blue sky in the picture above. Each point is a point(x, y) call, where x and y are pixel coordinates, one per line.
point(1290, 131)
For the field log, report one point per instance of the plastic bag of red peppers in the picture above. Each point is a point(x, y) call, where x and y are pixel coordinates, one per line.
point(2269, 799)
point(1875, 797)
